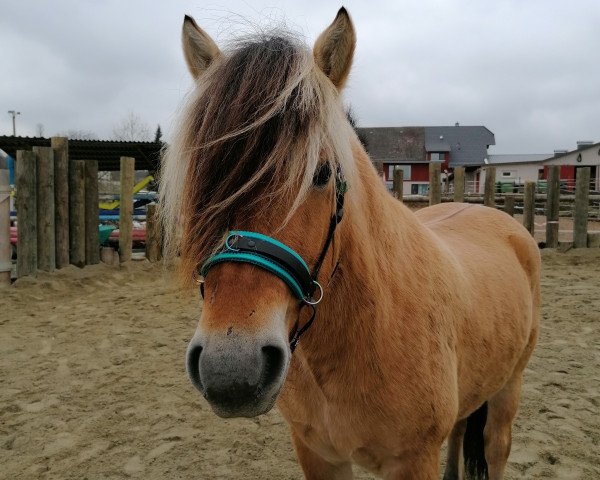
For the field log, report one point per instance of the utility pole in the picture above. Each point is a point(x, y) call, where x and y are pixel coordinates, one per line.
point(14, 116)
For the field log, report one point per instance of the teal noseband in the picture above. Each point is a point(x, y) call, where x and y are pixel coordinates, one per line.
point(283, 262)
point(270, 255)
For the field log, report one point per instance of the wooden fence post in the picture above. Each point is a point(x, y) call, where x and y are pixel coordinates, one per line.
point(552, 206)
point(126, 209)
point(459, 184)
point(60, 145)
point(580, 214)
point(398, 184)
point(435, 183)
point(509, 204)
point(593, 240)
point(153, 234)
point(46, 244)
point(489, 192)
point(5, 248)
point(529, 207)
point(92, 237)
point(25, 181)
point(77, 213)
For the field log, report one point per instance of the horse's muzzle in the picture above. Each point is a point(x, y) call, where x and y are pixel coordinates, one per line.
point(239, 375)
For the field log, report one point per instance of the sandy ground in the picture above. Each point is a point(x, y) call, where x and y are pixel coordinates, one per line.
point(94, 386)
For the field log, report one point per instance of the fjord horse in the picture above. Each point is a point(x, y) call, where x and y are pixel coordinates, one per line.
point(427, 319)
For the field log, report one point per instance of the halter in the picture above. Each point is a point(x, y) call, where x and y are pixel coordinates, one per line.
point(282, 261)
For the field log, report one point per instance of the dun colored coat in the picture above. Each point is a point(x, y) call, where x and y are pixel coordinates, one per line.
point(428, 319)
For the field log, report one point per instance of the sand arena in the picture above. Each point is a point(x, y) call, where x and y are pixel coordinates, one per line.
point(94, 384)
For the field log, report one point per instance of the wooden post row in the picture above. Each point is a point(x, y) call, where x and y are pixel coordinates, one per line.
point(489, 192)
point(529, 207)
point(46, 245)
point(25, 181)
point(77, 212)
point(398, 184)
point(5, 248)
point(126, 209)
point(435, 183)
point(459, 184)
point(92, 237)
point(60, 145)
point(593, 240)
point(509, 204)
point(552, 206)
point(580, 216)
point(153, 234)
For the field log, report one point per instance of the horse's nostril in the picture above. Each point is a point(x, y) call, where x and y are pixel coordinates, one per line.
point(273, 358)
point(193, 365)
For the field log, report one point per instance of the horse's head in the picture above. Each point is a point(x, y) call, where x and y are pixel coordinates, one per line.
point(262, 142)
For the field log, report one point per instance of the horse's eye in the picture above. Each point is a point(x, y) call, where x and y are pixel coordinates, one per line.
point(322, 175)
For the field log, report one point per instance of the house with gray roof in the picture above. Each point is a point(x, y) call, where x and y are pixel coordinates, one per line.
point(516, 169)
point(411, 149)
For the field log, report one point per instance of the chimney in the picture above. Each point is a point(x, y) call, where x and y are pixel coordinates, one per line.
point(581, 144)
point(558, 153)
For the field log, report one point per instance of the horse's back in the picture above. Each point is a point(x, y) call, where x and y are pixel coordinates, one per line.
point(480, 233)
point(485, 243)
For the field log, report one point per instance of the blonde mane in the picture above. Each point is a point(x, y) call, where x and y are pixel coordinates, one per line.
point(260, 120)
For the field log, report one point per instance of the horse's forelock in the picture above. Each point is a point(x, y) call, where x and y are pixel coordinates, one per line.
point(251, 136)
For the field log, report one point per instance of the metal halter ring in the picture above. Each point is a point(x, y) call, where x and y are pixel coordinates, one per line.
point(229, 247)
point(197, 278)
point(315, 302)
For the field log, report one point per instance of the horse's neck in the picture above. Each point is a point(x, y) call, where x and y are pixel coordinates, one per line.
point(376, 241)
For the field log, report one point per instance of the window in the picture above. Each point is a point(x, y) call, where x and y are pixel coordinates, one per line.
point(437, 156)
point(507, 174)
point(393, 167)
point(419, 189)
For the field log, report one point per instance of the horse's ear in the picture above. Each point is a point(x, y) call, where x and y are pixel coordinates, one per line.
point(199, 49)
point(334, 48)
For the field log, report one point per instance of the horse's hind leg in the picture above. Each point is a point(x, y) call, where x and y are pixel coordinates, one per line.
point(454, 463)
point(502, 409)
point(315, 467)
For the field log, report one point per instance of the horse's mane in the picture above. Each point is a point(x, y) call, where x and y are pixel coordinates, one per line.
point(261, 119)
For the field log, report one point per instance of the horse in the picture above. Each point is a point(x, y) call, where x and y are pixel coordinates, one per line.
point(421, 323)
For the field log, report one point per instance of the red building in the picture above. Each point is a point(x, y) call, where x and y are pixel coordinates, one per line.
point(411, 149)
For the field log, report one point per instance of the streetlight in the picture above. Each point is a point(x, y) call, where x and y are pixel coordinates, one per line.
point(14, 115)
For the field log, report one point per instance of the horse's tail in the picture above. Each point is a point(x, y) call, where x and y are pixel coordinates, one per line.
point(475, 464)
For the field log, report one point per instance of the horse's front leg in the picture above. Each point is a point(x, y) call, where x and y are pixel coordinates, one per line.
point(420, 464)
point(315, 467)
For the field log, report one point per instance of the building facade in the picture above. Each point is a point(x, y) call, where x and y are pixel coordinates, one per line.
point(412, 149)
point(514, 170)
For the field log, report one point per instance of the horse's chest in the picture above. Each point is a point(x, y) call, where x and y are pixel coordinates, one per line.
point(336, 446)
point(326, 429)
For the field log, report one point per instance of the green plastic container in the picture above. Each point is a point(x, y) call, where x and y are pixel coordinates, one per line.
point(104, 232)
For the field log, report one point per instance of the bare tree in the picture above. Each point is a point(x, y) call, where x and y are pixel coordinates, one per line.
point(131, 129)
point(39, 129)
point(74, 134)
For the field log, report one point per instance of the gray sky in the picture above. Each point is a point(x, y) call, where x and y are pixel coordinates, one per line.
point(526, 69)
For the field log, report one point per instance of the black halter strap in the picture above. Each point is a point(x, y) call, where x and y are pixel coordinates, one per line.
point(340, 190)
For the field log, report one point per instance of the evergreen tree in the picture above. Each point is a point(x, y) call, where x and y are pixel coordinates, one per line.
point(158, 135)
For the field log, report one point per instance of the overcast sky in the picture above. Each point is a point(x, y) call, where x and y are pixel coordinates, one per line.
point(526, 69)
